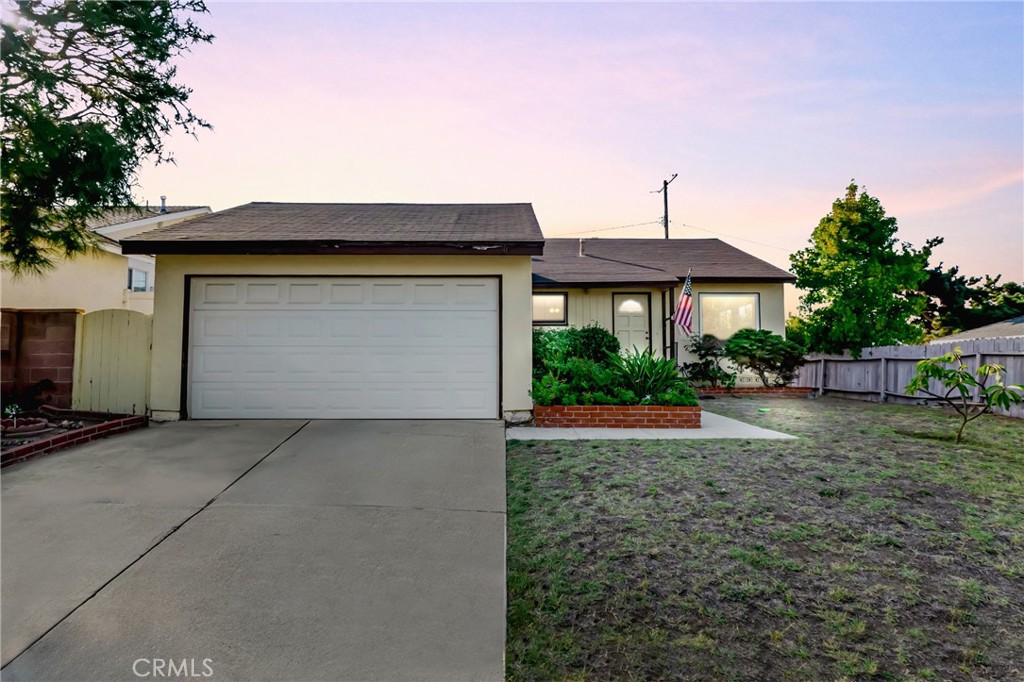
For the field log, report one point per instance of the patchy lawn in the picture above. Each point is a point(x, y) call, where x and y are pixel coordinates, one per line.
point(870, 548)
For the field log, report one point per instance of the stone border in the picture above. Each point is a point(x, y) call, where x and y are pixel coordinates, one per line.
point(757, 391)
point(616, 416)
point(43, 446)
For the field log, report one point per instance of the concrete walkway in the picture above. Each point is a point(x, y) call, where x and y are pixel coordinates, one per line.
point(713, 426)
point(263, 550)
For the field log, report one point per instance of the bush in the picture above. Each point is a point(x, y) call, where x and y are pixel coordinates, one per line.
point(645, 374)
point(583, 367)
point(771, 357)
point(707, 370)
point(556, 346)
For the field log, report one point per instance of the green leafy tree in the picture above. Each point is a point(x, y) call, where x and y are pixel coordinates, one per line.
point(862, 285)
point(959, 385)
point(89, 92)
point(956, 303)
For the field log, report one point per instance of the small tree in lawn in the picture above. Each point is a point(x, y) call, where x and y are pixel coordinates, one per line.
point(960, 382)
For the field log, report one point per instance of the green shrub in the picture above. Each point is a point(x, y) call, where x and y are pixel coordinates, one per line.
point(681, 396)
point(771, 357)
point(553, 348)
point(591, 343)
point(583, 367)
point(707, 370)
point(650, 377)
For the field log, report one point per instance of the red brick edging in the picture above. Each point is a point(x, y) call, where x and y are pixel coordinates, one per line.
point(69, 438)
point(758, 391)
point(617, 416)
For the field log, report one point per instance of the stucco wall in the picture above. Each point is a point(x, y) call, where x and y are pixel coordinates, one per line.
point(92, 281)
point(169, 302)
point(590, 306)
point(594, 306)
point(772, 312)
point(773, 308)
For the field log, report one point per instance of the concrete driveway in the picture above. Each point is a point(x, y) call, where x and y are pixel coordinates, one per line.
point(323, 550)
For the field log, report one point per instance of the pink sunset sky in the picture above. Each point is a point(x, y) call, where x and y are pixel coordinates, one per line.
point(766, 112)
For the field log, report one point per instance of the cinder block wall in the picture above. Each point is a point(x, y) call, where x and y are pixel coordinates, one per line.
point(38, 345)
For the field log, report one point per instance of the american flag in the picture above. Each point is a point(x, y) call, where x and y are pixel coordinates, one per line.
point(684, 311)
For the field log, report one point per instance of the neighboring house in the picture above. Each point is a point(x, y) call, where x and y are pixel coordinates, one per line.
point(1007, 329)
point(40, 326)
point(105, 278)
point(343, 311)
point(632, 286)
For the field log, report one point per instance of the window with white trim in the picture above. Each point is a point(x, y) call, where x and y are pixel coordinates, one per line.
point(138, 280)
point(722, 315)
point(550, 309)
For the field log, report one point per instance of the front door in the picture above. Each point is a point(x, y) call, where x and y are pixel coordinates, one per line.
point(631, 320)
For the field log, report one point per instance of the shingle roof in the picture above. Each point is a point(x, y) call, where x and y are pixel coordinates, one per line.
point(120, 214)
point(1011, 328)
point(317, 228)
point(648, 261)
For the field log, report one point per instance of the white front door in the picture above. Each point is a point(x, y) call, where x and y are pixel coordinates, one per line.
point(344, 348)
point(632, 320)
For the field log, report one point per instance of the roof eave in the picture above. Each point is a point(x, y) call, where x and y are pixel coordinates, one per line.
point(590, 284)
point(726, 279)
point(322, 248)
point(548, 283)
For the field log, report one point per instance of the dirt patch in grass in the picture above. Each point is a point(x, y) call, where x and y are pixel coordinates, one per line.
point(871, 547)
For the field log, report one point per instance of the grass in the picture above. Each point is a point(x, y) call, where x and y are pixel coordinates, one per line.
point(870, 548)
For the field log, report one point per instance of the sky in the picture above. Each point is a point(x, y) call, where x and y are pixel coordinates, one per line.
point(765, 111)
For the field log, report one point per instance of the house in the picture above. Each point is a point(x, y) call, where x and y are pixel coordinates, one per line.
point(1007, 329)
point(631, 287)
point(105, 278)
point(343, 311)
point(40, 324)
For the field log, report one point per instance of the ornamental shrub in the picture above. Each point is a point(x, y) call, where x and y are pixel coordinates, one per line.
point(771, 357)
point(707, 370)
point(645, 374)
point(591, 343)
point(556, 346)
point(583, 367)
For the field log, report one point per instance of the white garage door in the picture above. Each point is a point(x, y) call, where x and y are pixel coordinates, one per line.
point(344, 348)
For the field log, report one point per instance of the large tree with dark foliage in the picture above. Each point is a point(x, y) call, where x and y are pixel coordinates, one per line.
point(862, 285)
point(957, 303)
point(89, 91)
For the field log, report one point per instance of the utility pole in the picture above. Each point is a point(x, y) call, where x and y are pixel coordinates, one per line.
point(664, 191)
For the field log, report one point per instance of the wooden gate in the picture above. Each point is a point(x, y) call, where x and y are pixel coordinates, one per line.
point(112, 363)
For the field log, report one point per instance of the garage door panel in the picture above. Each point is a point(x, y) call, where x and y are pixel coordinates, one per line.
point(301, 293)
point(276, 400)
point(344, 348)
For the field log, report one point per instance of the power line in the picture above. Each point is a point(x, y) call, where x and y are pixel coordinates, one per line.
point(617, 227)
point(732, 236)
point(692, 227)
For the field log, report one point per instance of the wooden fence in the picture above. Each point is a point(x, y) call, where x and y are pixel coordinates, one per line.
point(112, 363)
point(882, 374)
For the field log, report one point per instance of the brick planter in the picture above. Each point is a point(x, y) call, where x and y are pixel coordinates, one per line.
point(617, 416)
point(757, 391)
point(75, 437)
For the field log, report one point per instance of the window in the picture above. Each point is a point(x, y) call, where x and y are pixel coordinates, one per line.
point(722, 315)
point(138, 280)
point(550, 309)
